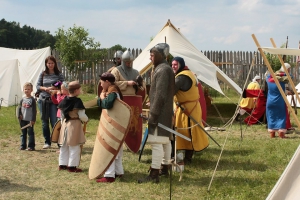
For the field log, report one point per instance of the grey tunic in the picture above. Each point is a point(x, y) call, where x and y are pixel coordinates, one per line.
point(161, 99)
point(46, 81)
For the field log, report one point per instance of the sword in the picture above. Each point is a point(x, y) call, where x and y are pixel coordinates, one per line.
point(163, 127)
point(26, 126)
point(174, 132)
point(143, 143)
point(169, 129)
point(193, 119)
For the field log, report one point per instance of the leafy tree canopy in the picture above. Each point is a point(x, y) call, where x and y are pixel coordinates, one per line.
point(74, 44)
point(12, 35)
point(117, 47)
point(274, 60)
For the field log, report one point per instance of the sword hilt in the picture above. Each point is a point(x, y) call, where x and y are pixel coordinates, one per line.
point(179, 105)
point(182, 108)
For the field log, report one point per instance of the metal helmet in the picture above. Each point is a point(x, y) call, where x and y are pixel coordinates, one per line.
point(118, 54)
point(118, 57)
point(162, 48)
point(127, 56)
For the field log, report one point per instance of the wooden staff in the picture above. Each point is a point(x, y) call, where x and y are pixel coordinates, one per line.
point(26, 126)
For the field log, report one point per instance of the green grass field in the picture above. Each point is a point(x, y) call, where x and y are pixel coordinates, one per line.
point(249, 167)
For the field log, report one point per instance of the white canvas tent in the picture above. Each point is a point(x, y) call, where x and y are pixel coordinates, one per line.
point(30, 64)
point(287, 187)
point(206, 71)
point(9, 82)
point(289, 97)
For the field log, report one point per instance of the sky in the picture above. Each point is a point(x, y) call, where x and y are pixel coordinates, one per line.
point(223, 25)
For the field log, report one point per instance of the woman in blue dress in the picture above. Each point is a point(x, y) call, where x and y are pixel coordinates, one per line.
point(276, 108)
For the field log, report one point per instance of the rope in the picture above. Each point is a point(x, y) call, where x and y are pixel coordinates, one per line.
point(218, 112)
point(173, 163)
point(4, 101)
point(229, 123)
point(217, 162)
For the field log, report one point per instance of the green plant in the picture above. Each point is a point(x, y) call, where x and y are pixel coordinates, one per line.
point(88, 88)
point(75, 45)
point(274, 60)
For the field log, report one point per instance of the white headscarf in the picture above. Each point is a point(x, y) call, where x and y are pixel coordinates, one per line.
point(287, 66)
point(256, 78)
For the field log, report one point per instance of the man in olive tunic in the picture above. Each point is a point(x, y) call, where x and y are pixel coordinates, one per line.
point(161, 110)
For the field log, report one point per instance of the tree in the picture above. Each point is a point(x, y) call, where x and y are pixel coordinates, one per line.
point(75, 45)
point(14, 36)
point(117, 47)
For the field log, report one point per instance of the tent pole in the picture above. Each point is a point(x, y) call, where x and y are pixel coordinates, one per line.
point(275, 79)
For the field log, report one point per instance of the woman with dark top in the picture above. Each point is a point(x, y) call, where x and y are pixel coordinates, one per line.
point(47, 109)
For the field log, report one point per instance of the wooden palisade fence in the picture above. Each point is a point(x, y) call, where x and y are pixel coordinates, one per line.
point(236, 65)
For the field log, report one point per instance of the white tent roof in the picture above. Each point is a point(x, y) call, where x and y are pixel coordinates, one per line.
point(9, 82)
point(281, 51)
point(31, 62)
point(197, 62)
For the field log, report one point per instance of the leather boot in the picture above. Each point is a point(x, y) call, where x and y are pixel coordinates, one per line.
point(281, 135)
point(188, 156)
point(272, 134)
point(153, 176)
point(62, 167)
point(164, 170)
point(74, 169)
